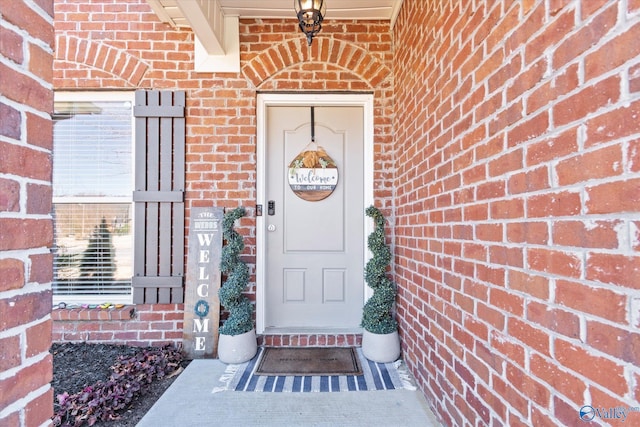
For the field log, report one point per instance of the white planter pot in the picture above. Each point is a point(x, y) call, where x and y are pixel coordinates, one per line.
point(381, 348)
point(234, 349)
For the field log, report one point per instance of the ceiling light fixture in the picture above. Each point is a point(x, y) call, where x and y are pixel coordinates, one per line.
point(310, 15)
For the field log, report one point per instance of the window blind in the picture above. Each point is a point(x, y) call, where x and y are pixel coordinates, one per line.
point(93, 250)
point(92, 203)
point(92, 147)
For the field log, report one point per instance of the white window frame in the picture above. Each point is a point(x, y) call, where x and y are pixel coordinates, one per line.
point(88, 96)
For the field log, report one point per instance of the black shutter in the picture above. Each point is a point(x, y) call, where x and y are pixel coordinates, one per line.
point(159, 197)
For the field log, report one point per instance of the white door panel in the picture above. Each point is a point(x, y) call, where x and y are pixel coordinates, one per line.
point(315, 254)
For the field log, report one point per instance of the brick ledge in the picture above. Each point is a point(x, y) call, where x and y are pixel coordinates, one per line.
point(310, 340)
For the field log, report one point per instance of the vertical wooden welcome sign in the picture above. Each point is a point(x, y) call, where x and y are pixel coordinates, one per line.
point(201, 302)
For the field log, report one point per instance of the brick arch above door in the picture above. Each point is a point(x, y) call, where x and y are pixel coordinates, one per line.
point(339, 54)
point(91, 61)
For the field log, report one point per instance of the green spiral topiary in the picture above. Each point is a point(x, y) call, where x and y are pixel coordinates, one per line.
point(240, 309)
point(377, 314)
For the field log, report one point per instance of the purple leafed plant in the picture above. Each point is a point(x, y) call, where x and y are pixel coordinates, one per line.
point(103, 401)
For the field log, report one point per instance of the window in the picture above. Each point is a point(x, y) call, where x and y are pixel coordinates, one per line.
point(92, 197)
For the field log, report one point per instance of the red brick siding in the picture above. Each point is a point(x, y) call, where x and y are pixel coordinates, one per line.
point(140, 325)
point(123, 45)
point(517, 202)
point(26, 54)
point(311, 340)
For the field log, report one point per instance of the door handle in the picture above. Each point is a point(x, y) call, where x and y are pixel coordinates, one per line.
point(271, 207)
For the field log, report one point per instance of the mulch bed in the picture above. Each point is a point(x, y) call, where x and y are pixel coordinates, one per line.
point(78, 365)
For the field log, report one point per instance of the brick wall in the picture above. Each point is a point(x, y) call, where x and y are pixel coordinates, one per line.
point(26, 52)
point(518, 206)
point(140, 325)
point(123, 45)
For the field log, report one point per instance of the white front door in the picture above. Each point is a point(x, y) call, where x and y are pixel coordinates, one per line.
point(313, 242)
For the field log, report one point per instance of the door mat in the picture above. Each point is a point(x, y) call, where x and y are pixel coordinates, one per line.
point(302, 361)
point(375, 376)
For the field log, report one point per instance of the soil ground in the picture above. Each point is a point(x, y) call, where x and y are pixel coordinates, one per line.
point(76, 366)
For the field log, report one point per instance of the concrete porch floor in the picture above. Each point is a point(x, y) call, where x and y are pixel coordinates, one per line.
point(190, 401)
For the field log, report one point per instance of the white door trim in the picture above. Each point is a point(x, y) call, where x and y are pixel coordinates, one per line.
point(273, 99)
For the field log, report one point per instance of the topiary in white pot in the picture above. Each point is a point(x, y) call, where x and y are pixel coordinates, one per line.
point(380, 340)
point(237, 342)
